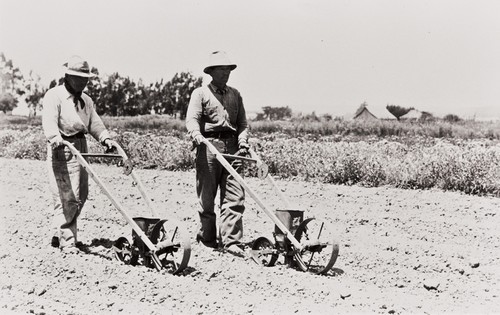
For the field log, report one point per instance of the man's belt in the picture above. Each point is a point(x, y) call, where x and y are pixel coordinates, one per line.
point(79, 135)
point(220, 134)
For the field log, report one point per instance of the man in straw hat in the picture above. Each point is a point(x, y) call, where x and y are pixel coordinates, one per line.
point(216, 113)
point(69, 114)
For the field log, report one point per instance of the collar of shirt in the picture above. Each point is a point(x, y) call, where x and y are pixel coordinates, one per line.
point(217, 90)
point(63, 93)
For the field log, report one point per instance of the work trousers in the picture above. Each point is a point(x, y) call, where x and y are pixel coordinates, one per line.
point(68, 182)
point(210, 177)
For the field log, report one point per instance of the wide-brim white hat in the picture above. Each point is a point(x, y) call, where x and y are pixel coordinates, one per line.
point(76, 65)
point(217, 59)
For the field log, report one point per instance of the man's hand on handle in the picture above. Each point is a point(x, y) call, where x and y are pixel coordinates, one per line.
point(56, 144)
point(243, 149)
point(110, 145)
point(198, 139)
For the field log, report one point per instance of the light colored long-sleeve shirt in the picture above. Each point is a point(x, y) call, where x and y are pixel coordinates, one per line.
point(214, 110)
point(60, 116)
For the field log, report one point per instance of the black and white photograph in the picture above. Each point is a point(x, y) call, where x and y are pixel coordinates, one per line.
point(249, 157)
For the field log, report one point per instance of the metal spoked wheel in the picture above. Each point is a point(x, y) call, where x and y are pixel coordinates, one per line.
point(123, 251)
point(320, 249)
point(173, 245)
point(264, 252)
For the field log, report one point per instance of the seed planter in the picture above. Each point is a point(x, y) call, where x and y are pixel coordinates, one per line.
point(306, 244)
point(157, 243)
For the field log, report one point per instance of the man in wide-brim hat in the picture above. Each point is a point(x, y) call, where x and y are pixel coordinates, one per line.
point(78, 67)
point(216, 113)
point(219, 59)
point(69, 114)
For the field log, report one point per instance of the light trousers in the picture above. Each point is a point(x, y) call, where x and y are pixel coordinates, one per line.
point(68, 183)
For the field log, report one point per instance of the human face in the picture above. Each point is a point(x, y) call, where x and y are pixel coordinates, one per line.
point(220, 75)
point(77, 83)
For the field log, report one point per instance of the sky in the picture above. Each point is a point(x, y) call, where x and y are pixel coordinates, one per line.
point(322, 56)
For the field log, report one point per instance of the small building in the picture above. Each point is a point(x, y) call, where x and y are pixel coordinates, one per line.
point(382, 113)
point(363, 113)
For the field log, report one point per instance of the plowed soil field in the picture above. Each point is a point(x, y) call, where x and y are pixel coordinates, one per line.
point(401, 251)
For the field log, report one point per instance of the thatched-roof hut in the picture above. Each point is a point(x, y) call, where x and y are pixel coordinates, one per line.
point(364, 114)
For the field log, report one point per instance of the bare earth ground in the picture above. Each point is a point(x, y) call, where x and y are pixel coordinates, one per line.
point(400, 252)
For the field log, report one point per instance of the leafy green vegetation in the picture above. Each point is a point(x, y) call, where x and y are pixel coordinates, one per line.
point(460, 157)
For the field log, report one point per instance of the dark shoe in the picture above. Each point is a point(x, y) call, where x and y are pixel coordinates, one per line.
point(82, 247)
point(211, 244)
point(54, 242)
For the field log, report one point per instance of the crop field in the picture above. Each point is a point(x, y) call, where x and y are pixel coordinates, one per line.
point(457, 157)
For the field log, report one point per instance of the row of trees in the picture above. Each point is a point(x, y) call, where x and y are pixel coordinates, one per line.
point(121, 96)
point(114, 95)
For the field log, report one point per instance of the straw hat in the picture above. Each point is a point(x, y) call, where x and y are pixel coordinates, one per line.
point(216, 59)
point(77, 66)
